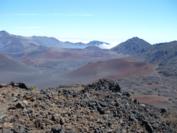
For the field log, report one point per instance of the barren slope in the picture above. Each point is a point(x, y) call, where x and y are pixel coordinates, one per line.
point(112, 69)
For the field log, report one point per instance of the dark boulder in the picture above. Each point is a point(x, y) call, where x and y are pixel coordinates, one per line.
point(39, 124)
point(147, 126)
point(56, 130)
point(98, 130)
point(22, 86)
point(100, 109)
point(19, 85)
point(19, 106)
point(126, 94)
point(163, 110)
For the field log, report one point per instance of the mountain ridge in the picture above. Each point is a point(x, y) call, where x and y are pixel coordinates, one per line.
point(52, 41)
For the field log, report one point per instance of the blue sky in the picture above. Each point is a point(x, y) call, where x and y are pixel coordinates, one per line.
point(83, 20)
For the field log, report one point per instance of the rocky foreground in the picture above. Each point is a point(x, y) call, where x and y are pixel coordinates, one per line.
point(100, 107)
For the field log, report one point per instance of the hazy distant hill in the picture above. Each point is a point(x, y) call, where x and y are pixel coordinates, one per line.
point(153, 53)
point(111, 69)
point(10, 65)
point(35, 57)
point(10, 43)
point(132, 46)
point(46, 41)
point(32, 59)
point(164, 54)
point(161, 52)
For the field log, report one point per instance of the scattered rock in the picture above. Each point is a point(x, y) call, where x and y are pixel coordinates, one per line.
point(98, 130)
point(3, 85)
point(8, 125)
point(104, 84)
point(96, 108)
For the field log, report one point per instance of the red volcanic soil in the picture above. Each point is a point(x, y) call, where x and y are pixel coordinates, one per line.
point(52, 53)
point(112, 69)
point(29, 61)
point(151, 99)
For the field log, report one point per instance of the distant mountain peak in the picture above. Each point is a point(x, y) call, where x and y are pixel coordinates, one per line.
point(133, 45)
point(136, 40)
point(96, 43)
point(3, 32)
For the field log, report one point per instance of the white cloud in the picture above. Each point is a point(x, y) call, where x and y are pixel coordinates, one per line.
point(107, 46)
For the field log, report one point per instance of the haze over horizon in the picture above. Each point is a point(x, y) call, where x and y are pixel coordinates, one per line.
point(111, 21)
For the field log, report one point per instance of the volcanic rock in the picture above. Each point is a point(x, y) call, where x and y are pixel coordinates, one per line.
point(100, 107)
point(104, 84)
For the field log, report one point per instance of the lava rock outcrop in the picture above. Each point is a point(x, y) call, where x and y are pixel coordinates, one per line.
point(100, 107)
